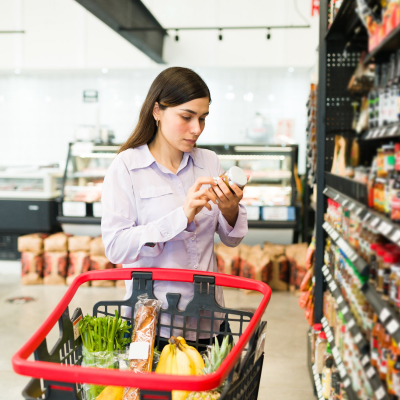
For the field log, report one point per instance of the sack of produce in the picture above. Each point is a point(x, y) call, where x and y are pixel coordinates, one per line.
point(143, 336)
point(274, 250)
point(253, 262)
point(97, 247)
point(57, 242)
point(119, 283)
point(230, 259)
point(32, 268)
point(32, 243)
point(55, 267)
point(104, 346)
point(296, 255)
point(278, 274)
point(79, 261)
point(98, 263)
point(79, 243)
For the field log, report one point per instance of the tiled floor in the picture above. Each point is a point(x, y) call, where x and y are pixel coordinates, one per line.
point(284, 376)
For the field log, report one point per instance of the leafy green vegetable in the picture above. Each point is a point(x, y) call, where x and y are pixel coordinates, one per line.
point(104, 333)
point(101, 336)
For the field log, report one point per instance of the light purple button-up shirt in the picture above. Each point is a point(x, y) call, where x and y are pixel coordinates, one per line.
point(144, 225)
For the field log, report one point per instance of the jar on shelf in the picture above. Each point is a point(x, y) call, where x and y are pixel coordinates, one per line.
point(320, 350)
point(389, 261)
point(393, 285)
point(380, 252)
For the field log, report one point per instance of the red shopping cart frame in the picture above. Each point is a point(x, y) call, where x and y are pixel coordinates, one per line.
point(78, 374)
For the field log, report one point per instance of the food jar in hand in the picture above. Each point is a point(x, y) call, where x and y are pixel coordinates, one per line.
point(234, 175)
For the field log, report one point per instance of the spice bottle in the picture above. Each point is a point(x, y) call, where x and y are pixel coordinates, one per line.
point(374, 341)
point(327, 378)
point(380, 252)
point(389, 260)
point(373, 263)
point(394, 273)
point(316, 330)
point(234, 175)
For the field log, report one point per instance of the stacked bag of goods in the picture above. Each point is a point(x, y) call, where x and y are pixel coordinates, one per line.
point(296, 255)
point(306, 299)
point(79, 259)
point(32, 261)
point(58, 259)
point(99, 261)
point(277, 265)
point(55, 259)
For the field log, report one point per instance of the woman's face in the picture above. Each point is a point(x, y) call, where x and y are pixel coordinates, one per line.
point(182, 125)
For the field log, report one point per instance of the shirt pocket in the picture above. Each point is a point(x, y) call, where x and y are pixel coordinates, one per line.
point(155, 203)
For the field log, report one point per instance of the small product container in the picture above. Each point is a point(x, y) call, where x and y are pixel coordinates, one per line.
point(234, 175)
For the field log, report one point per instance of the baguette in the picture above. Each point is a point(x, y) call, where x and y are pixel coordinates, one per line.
point(145, 331)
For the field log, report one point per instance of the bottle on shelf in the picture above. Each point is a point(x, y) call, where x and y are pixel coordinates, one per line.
point(320, 350)
point(383, 103)
point(326, 380)
point(395, 202)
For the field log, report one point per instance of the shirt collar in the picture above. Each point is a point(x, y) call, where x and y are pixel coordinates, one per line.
point(143, 158)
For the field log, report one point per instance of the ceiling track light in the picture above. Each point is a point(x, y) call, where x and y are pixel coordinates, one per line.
point(176, 36)
point(268, 34)
point(220, 35)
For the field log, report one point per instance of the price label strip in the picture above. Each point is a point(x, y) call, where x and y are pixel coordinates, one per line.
point(393, 130)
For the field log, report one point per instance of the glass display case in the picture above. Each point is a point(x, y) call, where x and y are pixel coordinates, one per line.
point(270, 195)
point(86, 167)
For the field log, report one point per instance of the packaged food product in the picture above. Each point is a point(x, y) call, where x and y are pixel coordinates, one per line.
point(143, 336)
point(97, 247)
point(55, 267)
point(100, 263)
point(57, 242)
point(79, 243)
point(79, 262)
point(32, 268)
point(32, 243)
point(234, 175)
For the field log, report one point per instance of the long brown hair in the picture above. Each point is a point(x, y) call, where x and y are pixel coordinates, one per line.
point(172, 87)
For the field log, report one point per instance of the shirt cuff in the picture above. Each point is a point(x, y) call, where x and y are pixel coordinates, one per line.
point(241, 226)
point(172, 224)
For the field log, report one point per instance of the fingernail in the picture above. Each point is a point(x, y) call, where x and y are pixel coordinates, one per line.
point(217, 202)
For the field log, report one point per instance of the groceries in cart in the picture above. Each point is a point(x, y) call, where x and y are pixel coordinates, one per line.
point(105, 345)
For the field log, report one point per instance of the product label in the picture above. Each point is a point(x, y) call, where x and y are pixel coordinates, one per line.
point(396, 382)
point(139, 351)
point(75, 325)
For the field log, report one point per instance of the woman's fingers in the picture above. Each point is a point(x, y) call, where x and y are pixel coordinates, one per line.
point(200, 203)
point(219, 194)
point(204, 180)
point(224, 188)
point(205, 193)
point(237, 190)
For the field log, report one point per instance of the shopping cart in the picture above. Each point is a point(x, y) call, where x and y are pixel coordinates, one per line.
point(58, 374)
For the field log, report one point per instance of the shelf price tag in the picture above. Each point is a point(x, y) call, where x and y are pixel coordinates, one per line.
point(345, 202)
point(347, 383)
point(366, 217)
point(370, 372)
point(380, 393)
point(351, 323)
point(345, 310)
point(384, 315)
point(325, 190)
point(351, 206)
point(382, 132)
point(358, 211)
point(375, 222)
point(336, 197)
point(339, 300)
point(394, 130)
point(396, 236)
point(365, 360)
point(392, 327)
point(358, 338)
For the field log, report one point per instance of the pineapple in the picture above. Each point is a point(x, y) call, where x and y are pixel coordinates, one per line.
point(212, 360)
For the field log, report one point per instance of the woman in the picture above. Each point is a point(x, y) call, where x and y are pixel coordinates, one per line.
point(161, 205)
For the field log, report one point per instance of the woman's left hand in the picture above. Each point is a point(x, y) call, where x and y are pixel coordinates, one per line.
point(228, 203)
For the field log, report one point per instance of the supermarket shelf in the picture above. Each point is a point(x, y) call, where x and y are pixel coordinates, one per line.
point(359, 263)
point(374, 219)
point(358, 337)
point(390, 44)
point(317, 382)
point(383, 132)
point(273, 224)
point(79, 220)
point(338, 361)
point(349, 187)
point(345, 21)
point(372, 375)
point(386, 314)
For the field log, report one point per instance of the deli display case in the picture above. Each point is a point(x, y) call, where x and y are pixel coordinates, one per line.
point(80, 206)
point(270, 197)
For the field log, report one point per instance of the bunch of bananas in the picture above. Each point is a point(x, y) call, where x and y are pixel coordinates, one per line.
point(178, 358)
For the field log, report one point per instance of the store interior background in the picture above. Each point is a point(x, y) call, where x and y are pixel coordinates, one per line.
point(67, 50)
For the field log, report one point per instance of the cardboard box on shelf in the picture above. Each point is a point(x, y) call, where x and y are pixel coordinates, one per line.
point(55, 267)
point(79, 243)
point(56, 243)
point(32, 268)
point(79, 262)
point(32, 243)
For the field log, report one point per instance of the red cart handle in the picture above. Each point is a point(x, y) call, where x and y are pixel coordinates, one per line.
point(77, 374)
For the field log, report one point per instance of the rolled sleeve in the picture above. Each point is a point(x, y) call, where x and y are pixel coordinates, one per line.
point(232, 236)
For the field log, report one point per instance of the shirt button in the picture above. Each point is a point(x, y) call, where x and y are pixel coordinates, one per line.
point(179, 185)
point(193, 237)
point(196, 266)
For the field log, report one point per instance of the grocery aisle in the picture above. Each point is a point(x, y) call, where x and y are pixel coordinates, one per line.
point(285, 374)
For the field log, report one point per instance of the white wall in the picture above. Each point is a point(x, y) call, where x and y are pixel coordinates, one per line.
point(60, 34)
point(39, 112)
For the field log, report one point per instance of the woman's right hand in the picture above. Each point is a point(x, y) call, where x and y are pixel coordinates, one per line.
point(196, 199)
